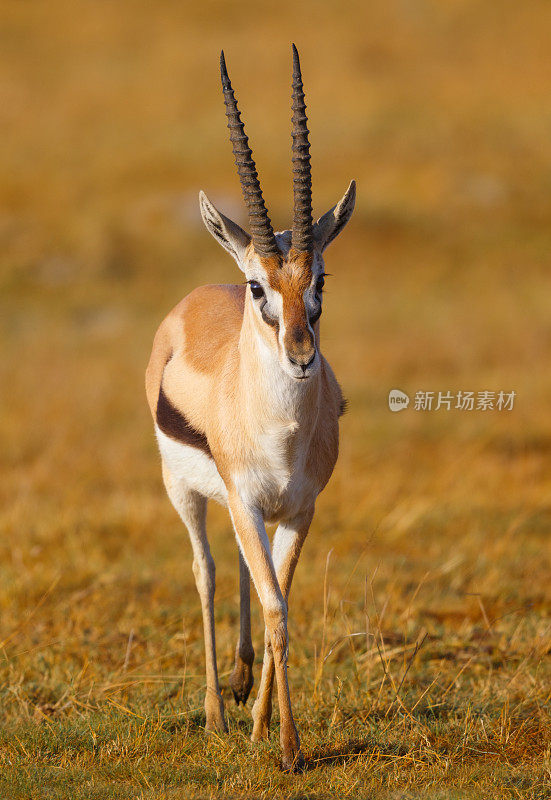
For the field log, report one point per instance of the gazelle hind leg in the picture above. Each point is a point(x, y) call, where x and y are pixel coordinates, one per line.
point(192, 508)
point(287, 546)
point(241, 679)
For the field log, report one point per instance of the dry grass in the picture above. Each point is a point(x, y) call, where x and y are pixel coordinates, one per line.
point(424, 670)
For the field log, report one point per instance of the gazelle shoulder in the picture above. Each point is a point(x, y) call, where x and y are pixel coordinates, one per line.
point(324, 448)
point(334, 401)
point(199, 330)
point(209, 307)
point(208, 322)
point(205, 322)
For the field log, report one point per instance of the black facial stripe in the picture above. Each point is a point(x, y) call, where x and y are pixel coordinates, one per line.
point(315, 316)
point(271, 321)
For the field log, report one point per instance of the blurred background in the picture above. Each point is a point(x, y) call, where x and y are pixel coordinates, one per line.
point(112, 121)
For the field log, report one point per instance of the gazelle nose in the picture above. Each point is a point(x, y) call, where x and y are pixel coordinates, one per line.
point(303, 367)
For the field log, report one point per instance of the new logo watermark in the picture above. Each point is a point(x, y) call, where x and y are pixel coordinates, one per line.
point(459, 401)
point(397, 400)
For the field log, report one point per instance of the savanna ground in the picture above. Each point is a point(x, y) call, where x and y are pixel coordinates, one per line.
point(420, 626)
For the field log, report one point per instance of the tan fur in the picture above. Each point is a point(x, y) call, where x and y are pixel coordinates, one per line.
point(213, 317)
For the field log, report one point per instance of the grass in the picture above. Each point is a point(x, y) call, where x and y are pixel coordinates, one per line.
point(420, 612)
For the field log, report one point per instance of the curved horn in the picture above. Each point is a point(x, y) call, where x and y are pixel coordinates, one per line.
point(302, 238)
point(262, 233)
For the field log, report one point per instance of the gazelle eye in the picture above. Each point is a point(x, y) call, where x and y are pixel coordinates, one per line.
point(320, 283)
point(256, 290)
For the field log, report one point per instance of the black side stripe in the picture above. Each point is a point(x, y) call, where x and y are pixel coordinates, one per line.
point(175, 425)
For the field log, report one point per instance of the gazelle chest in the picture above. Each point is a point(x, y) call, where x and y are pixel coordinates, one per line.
point(274, 477)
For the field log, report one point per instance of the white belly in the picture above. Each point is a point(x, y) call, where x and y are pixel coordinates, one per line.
point(192, 466)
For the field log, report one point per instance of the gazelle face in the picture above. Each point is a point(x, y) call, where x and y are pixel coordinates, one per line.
point(286, 296)
point(285, 291)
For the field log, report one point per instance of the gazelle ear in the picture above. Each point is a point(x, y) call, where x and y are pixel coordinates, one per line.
point(229, 234)
point(331, 224)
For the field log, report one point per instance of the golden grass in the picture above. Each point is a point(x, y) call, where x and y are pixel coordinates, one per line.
point(423, 667)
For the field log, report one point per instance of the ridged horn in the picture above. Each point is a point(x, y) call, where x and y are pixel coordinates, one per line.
point(262, 233)
point(302, 236)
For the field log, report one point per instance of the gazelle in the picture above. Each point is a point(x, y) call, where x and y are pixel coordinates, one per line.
point(246, 411)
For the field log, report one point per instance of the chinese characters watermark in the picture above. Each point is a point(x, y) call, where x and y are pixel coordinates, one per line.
point(448, 401)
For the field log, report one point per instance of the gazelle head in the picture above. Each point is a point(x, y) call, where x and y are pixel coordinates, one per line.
point(285, 271)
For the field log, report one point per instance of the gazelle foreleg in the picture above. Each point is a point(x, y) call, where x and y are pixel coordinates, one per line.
point(287, 546)
point(241, 679)
point(192, 508)
point(253, 540)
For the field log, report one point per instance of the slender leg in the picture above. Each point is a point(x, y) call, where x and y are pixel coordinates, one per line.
point(287, 545)
point(241, 679)
point(192, 508)
point(254, 543)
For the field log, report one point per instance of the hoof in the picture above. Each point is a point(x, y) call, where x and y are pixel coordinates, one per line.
point(241, 681)
point(292, 759)
point(293, 762)
point(216, 725)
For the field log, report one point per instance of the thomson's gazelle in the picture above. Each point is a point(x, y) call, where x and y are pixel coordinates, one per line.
point(246, 411)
